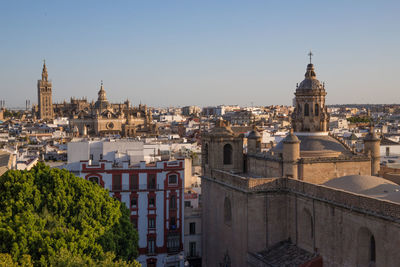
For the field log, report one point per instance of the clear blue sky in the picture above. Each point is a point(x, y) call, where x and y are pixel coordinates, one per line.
point(165, 53)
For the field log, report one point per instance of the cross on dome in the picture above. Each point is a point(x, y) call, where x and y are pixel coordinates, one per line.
point(310, 54)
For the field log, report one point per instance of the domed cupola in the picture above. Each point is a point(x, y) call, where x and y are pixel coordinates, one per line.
point(102, 93)
point(102, 102)
point(310, 113)
point(310, 81)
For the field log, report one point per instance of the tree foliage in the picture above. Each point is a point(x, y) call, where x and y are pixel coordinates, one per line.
point(45, 213)
point(12, 114)
point(359, 119)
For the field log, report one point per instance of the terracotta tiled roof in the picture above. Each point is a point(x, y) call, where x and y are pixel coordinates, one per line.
point(285, 254)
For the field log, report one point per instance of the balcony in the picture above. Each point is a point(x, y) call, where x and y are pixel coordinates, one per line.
point(128, 188)
point(173, 242)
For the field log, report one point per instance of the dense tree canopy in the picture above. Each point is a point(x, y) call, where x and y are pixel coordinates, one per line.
point(359, 119)
point(46, 214)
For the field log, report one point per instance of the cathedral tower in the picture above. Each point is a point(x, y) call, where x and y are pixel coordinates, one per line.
point(310, 113)
point(45, 103)
point(222, 149)
point(372, 148)
point(254, 141)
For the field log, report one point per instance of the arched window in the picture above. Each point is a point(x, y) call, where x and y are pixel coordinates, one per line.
point(206, 154)
point(306, 233)
point(366, 248)
point(94, 179)
point(372, 249)
point(316, 110)
point(306, 109)
point(227, 154)
point(227, 211)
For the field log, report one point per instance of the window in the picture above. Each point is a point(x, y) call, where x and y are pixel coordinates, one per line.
point(173, 242)
point(316, 110)
point(152, 201)
point(172, 179)
point(306, 110)
point(151, 246)
point(133, 202)
point(187, 204)
point(133, 181)
point(91, 156)
point(152, 223)
point(192, 228)
point(227, 211)
point(227, 154)
point(206, 154)
point(311, 227)
point(116, 182)
point(372, 249)
point(172, 223)
point(101, 156)
point(172, 202)
point(94, 180)
point(151, 181)
point(192, 249)
point(387, 151)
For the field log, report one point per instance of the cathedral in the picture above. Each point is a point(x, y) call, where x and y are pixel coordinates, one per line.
point(99, 118)
point(309, 201)
point(103, 118)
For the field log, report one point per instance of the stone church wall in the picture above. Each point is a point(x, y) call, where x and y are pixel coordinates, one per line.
point(321, 172)
point(222, 240)
point(263, 167)
point(336, 224)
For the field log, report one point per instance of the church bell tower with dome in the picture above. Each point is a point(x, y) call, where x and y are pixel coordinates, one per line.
point(310, 113)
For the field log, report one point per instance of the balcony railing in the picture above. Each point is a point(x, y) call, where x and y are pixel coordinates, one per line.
point(173, 242)
point(193, 255)
point(128, 187)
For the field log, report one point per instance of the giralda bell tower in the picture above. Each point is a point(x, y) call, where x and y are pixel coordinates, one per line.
point(45, 103)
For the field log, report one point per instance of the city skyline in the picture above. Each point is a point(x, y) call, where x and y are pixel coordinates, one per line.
point(186, 53)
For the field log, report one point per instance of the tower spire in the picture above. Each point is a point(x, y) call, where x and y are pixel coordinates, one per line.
point(310, 54)
point(44, 71)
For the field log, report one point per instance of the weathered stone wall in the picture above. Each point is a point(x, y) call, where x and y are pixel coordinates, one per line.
point(222, 238)
point(391, 174)
point(320, 172)
point(264, 168)
point(310, 170)
point(334, 223)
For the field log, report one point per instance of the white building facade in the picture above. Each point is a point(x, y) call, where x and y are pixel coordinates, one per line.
point(154, 194)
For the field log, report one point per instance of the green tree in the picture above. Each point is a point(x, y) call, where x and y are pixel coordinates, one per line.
point(122, 238)
point(359, 119)
point(44, 212)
